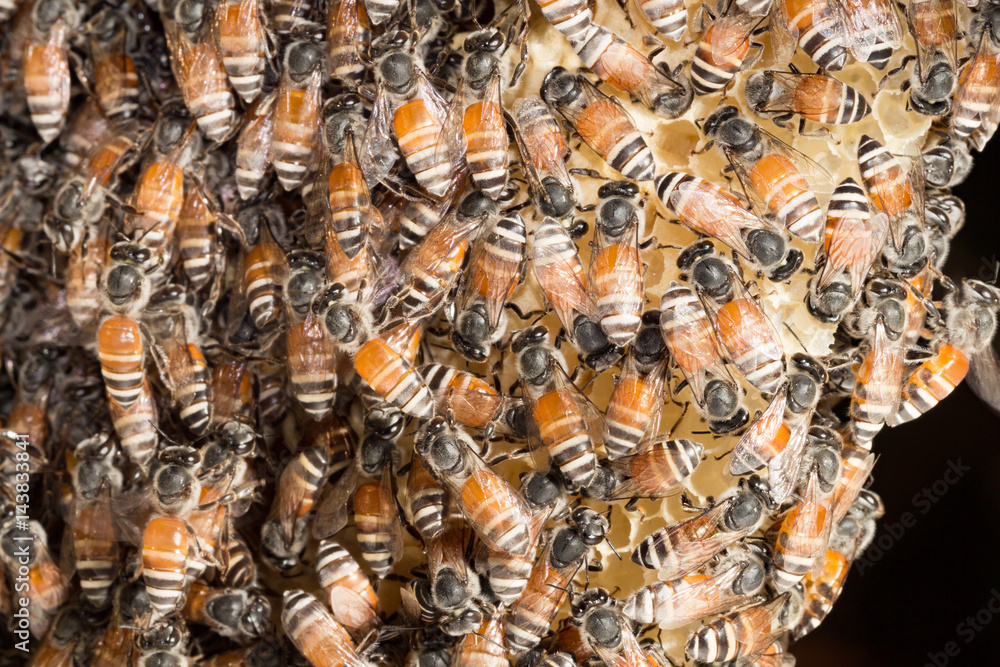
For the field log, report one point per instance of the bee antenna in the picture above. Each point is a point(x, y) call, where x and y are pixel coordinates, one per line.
point(796, 337)
point(490, 640)
point(613, 546)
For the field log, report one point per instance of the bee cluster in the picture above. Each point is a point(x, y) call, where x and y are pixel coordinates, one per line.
point(387, 333)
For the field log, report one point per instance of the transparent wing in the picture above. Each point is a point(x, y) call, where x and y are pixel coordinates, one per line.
point(753, 451)
point(331, 512)
point(870, 24)
point(984, 376)
point(378, 152)
point(783, 470)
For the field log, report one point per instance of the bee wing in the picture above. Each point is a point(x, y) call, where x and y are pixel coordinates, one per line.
point(886, 370)
point(636, 74)
point(730, 34)
point(378, 152)
point(696, 540)
point(169, 348)
point(331, 510)
point(342, 41)
point(561, 279)
point(390, 509)
point(727, 216)
point(870, 24)
point(802, 161)
point(783, 470)
point(751, 452)
point(879, 225)
point(501, 272)
point(925, 52)
point(789, 101)
point(782, 35)
point(329, 638)
point(718, 588)
point(984, 378)
point(451, 144)
point(491, 118)
point(544, 154)
point(846, 495)
point(594, 417)
point(854, 244)
point(627, 267)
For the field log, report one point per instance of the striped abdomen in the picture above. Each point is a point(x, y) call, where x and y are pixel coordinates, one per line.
point(296, 127)
point(570, 17)
point(262, 280)
point(271, 396)
point(887, 182)
point(165, 549)
point(531, 617)
point(241, 44)
point(418, 133)
point(254, 147)
point(632, 409)
point(350, 207)
point(508, 574)
point(783, 187)
point(564, 430)
point(121, 351)
point(158, 199)
point(931, 383)
point(669, 17)
point(348, 591)
point(659, 469)
point(417, 219)
point(427, 286)
point(612, 135)
point(196, 239)
point(875, 394)
point(117, 86)
point(747, 336)
point(720, 54)
point(616, 288)
point(240, 570)
point(374, 510)
point(496, 511)
point(348, 37)
point(394, 379)
point(136, 426)
point(96, 547)
point(933, 22)
point(487, 151)
point(825, 99)
point(207, 93)
point(674, 604)
point(483, 648)
point(311, 369)
point(287, 14)
point(194, 393)
point(428, 504)
point(470, 399)
point(739, 633)
point(315, 632)
point(801, 540)
point(688, 334)
point(47, 83)
point(820, 31)
point(821, 591)
point(975, 95)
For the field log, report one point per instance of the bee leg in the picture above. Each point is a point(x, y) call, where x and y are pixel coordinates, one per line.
point(623, 4)
point(589, 173)
point(631, 504)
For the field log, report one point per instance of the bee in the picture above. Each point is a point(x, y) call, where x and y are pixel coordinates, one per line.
point(297, 119)
point(548, 586)
point(116, 84)
point(135, 425)
point(889, 185)
point(669, 17)
point(880, 378)
point(496, 511)
point(348, 38)
point(239, 569)
point(472, 402)
point(970, 324)
point(112, 151)
point(454, 587)
point(234, 613)
point(348, 592)
point(606, 631)
point(561, 413)
point(559, 271)
point(46, 66)
point(934, 26)
point(65, 642)
point(419, 216)
point(242, 44)
point(856, 464)
point(601, 122)
point(623, 67)
point(736, 579)
point(614, 280)
point(816, 97)
point(485, 647)
point(351, 209)
point(872, 29)
point(822, 588)
point(232, 391)
point(311, 371)
point(263, 276)
point(409, 108)
point(199, 71)
point(746, 632)
point(481, 110)
point(723, 50)
point(854, 239)
point(254, 146)
point(768, 169)
point(683, 547)
point(291, 16)
point(299, 486)
point(976, 98)
point(24, 546)
point(572, 18)
point(197, 240)
point(805, 530)
point(633, 410)
point(376, 515)
point(687, 331)
point(427, 507)
point(496, 268)
point(121, 350)
point(389, 373)
point(818, 27)
point(656, 470)
point(741, 326)
point(316, 633)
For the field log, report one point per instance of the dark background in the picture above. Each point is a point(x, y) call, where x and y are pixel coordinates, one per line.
point(908, 600)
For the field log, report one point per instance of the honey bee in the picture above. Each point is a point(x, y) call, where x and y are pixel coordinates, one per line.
point(889, 186)
point(601, 122)
point(237, 614)
point(976, 98)
point(623, 67)
point(65, 642)
point(606, 631)
point(736, 579)
point(746, 632)
point(350, 201)
point(817, 27)
point(389, 373)
point(854, 239)
point(348, 592)
point(548, 587)
point(291, 16)
point(283, 534)
point(316, 633)
point(24, 545)
point(614, 280)
point(669, 17)
point(658, 469)
point(856, 464)
point(375, 512)
point(559, 271)
point(348, 38)
point(263, 277)
point(496, 511)
point(484, 647)
point(454, 588)
point(472, 402)
point(46, 66)
point(411, 110)
point(687, 331)
point(121, 350)
point(297, 117)
point(254, 146)
point(805, 530)
point(633, 410)
point(311, 372)
point(562, 415)
point(242, 44)
point(934, 26)
point(768, 169)
point(116, 84)
point(572, 19)
point(723, 50)
point(741, 326)
point(816, 97)
point(199, 71)
point(683, 547)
